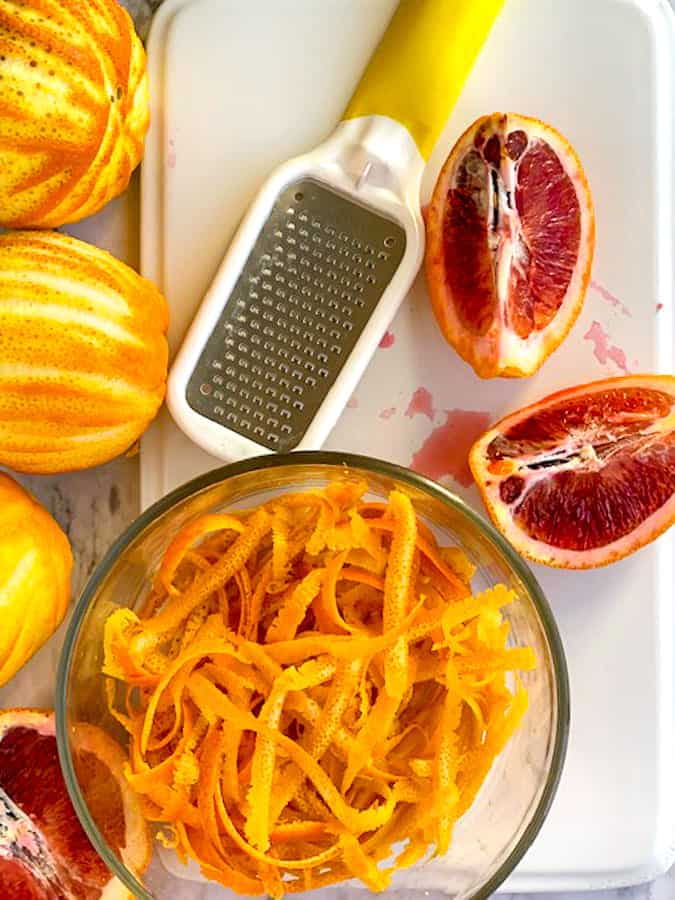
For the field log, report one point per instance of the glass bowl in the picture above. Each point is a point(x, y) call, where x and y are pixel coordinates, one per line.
point(491, 838)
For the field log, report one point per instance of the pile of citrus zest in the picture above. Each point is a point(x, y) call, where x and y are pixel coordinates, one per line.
point(311, 691)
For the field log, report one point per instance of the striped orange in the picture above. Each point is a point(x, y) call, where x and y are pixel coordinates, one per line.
point(35, 566)
point(83, 353)
point(73, 108)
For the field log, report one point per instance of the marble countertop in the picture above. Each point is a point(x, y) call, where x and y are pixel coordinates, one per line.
point(94, 506)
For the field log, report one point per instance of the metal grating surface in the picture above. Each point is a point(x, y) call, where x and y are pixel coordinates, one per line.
point(310, 284)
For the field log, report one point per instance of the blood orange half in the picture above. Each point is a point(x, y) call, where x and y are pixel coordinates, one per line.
point(510, 240)
point(44, 852)
point(585, 476)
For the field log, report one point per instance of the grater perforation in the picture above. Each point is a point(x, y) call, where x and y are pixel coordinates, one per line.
point(309, 286)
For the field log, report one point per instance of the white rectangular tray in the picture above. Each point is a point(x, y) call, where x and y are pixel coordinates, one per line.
point(240, 85)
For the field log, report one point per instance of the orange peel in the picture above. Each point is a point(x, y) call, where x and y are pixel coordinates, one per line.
point(308, 685)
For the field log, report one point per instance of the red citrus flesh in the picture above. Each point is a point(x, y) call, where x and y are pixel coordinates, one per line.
point(510, 239)
point(585, 476)
point(44, 852)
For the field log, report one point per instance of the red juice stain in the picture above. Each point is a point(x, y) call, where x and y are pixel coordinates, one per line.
point(446, 450)
point(388, 413)
point(609, 297)
point(603, 350)
point(388, 340)
point(618, 357)
point(353, 403)
point(659, 307)
point(421, 404)
point(171, 155)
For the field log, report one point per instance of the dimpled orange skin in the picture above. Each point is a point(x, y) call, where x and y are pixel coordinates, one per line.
point(83, 353)
point(73, 108)
point(35, 567)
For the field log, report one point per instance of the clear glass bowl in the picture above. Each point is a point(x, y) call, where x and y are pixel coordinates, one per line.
point(493, 835)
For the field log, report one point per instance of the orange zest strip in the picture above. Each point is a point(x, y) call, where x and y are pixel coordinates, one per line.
point(290, 616)
point(326, 610)
point(262, 770)
point(349, 573)
point(444, 776)
point(243, 583)
point(397, 590)
point(361, 865)
point(186, 538)
point(428, 550)
point(376, 728)
point(178, 609)
point(282, 835)
point(280, 545)
point(251, 625)
point(312, 673)
point(298, 832)
point(186, 663)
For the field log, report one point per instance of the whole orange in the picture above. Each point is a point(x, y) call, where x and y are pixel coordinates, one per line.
point(83, 353)
point(73, 108)
point(35, 567)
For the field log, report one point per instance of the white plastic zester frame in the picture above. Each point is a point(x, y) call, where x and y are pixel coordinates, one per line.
point(377, 159)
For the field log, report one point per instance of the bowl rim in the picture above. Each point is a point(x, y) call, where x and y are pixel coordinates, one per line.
point(304, 458)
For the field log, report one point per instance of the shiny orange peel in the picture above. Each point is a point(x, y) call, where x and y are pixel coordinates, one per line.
point(309, 684)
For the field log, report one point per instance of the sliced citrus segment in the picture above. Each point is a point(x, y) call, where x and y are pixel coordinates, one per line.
point(586, 476)
point(44, 852)
point(510, 239)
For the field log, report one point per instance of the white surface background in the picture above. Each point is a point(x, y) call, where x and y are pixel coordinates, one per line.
point(95, 506)
point(615, 109)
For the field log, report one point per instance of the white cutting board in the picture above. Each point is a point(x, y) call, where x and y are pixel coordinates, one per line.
point(240, 85)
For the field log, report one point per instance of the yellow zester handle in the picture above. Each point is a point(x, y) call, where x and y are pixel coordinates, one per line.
point(419, 68)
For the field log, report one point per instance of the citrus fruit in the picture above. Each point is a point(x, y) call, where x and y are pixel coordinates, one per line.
point(585, 476)
point(510, 239)
point(44, 852)
point(35, 566)
point(74, 108)
point(83, 353)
